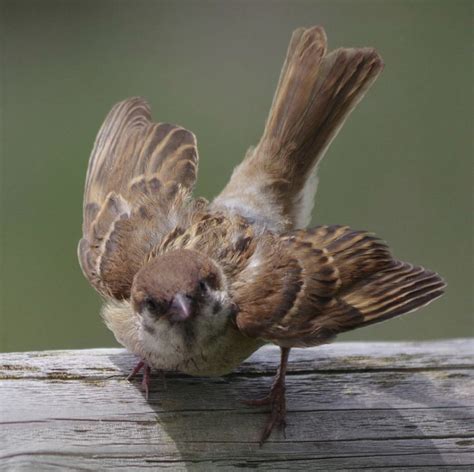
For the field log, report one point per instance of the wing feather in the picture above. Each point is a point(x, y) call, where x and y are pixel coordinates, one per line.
point(338, 279)
point(138, 187)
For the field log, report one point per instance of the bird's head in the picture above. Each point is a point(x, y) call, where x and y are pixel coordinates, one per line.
point(179, 286)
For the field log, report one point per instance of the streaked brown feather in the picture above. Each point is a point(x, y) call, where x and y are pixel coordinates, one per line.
point(266, 288)
point(137, 190)
point(354, 253)
point(397, 290)
point(294, 288)
point(230, 240)
point(129, 144)
point(338, 280)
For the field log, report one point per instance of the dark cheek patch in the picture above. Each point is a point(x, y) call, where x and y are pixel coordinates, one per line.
point(216, 308)
point(149, 329)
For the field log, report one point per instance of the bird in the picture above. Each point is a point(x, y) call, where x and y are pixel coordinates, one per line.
point(197, 286)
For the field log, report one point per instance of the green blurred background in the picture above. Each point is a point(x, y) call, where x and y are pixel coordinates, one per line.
point(401, 166)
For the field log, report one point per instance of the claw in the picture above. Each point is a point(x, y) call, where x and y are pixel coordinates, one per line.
point(278, 413)
point(136, 369)
point(146, 376)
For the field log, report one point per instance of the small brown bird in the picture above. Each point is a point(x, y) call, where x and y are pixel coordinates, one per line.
point(197, 287)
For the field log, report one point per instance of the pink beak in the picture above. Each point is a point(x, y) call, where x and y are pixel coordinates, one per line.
point(180, 309)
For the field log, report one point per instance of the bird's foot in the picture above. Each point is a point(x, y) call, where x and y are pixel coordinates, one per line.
point(277, 401)
point(146, 376)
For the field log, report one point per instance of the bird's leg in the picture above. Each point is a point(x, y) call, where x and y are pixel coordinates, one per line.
point(146, 375)
point(276, 398)
point(136, 369)
point(146, 380)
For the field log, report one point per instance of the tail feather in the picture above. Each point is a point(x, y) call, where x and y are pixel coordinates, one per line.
point(316, 93)
point(292, 99)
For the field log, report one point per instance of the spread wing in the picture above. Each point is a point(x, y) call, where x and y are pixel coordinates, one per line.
point(138, 187)
point(311, 285)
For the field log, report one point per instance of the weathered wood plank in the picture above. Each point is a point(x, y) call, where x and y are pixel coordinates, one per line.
point(351, 406)
point(99, 363)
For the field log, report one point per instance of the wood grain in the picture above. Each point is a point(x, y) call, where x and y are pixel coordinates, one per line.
point(352, 406)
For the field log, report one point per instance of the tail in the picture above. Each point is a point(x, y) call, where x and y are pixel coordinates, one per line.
point(315, 94)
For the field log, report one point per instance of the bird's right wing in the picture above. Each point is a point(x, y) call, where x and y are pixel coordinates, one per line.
point(311, 285)
point(138, 186)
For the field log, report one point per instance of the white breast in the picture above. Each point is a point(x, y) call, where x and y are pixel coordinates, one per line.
point(208, 346)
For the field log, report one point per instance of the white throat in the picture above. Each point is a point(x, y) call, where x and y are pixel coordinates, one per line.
point(207, 345)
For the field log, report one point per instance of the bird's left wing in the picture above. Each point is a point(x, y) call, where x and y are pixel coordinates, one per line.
point(138, 187)
point(304, 288)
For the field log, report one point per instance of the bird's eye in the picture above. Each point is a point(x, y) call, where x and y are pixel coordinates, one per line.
point(153, 306)
point(203, 286)
point(212, 280)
